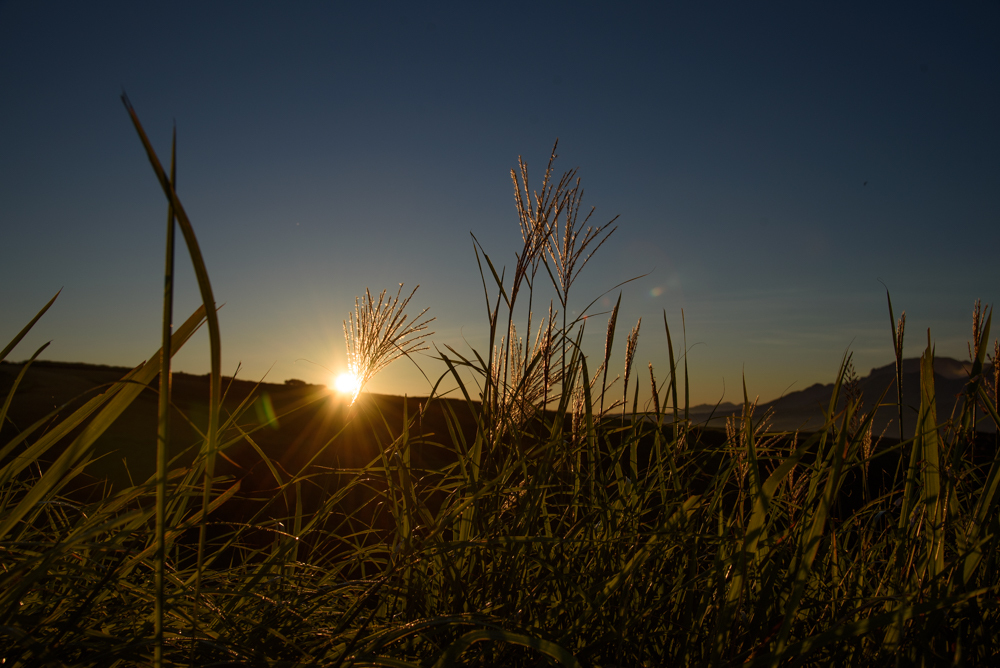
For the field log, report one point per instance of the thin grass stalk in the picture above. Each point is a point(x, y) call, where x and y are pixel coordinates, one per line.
point(488, 400)
point(163, 422)
point(215, 346)
point(986, 500)
point(523, 362)
point(897, 348)
point(634, 435)
point(930, 457)
point(687, 385)
point(673, 375)
point(977, 353)
point(656, 394)
point(547, 361)
point(658, 445)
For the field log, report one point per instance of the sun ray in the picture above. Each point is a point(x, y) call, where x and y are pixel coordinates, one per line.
point(346, 383)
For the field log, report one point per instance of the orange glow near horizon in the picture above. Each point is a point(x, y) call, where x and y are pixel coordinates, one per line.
point(346, 383)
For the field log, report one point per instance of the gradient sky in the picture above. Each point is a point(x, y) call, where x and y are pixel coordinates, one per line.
point(329, 147)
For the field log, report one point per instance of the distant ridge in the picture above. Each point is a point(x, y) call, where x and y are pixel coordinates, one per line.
point(54, 382)
point(120, 371)
point(803, 410)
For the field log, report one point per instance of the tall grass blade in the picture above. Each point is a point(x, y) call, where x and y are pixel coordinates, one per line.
point(984, 504)
point(673, 374)
point(843, 633)
point(163, 418)
point(27, 328)
point(114, 401)
point(17, 382)
point(809, 543)
point(687, 386)
point(929, 444)
point(215, 345)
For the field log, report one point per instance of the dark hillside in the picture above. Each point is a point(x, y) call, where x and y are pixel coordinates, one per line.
point(308, 419)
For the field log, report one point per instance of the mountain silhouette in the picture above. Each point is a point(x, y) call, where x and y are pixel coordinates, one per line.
point(804, 410)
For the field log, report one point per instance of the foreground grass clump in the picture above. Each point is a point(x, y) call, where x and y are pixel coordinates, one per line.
point(562, 525)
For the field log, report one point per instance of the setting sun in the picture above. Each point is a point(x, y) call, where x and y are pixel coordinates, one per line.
point(346, 383)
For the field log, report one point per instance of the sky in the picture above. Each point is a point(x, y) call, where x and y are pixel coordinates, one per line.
point(774, 166)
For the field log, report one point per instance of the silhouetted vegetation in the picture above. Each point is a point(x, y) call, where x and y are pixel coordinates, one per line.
point(540, 517)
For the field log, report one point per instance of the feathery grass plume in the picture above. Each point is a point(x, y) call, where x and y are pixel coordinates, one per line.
point(580, 404)
point(977, 330)
point(735, 439)
point(853, 395)
point(609, 339)
point(547, 378)
point(376, 334)
point(741, 433)
point(982, 317)
point(567, 252)
point(630, 343)
point(859, 419)
point(868, 443)
point(554, 216)
point(578, 414)
point(536, 215)
point(530, 372)
point(797, 483)
point(897, 348)
point(509, 352)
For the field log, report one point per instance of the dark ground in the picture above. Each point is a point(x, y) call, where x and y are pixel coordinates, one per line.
point(309, 434)
point(309, 417)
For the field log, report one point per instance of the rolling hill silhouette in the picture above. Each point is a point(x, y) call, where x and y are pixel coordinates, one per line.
point(310, 428)
point(309, 425)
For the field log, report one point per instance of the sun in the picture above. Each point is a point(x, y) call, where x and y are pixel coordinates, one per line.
point(346, 383)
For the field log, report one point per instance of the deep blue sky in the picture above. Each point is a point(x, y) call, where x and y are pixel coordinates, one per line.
point(325, 148)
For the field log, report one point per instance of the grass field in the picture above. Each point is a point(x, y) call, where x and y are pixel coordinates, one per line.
point(539, 519)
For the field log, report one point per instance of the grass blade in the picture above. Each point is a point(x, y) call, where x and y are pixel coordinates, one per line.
point(27, 328)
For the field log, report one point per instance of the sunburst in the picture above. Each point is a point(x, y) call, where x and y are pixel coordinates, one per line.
point(347, 383)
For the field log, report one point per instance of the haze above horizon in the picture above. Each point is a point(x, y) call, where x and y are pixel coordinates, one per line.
point(770, 167)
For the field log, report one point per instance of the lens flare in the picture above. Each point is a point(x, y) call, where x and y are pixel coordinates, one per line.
point(346, 383)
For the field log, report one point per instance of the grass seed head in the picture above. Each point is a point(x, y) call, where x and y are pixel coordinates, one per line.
point(977, 330)
point(378, 333)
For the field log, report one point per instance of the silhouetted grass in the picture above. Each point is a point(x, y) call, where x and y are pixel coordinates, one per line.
point(552, 528)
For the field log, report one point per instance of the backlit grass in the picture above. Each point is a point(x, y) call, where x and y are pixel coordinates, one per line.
point(563, 525)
